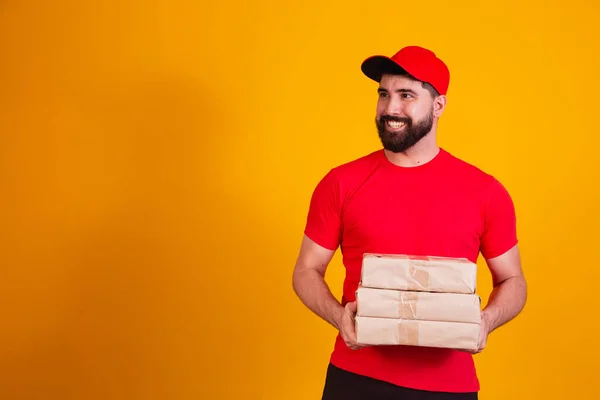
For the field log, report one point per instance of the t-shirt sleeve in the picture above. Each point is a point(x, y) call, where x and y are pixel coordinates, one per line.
point(500, 225)
point(323, 223)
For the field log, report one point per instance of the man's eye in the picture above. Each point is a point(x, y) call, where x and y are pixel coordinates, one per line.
point(382, 94)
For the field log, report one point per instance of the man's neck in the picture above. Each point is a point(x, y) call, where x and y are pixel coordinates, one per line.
point(421, 153)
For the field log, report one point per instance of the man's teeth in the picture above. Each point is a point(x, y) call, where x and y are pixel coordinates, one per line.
point(395, 124)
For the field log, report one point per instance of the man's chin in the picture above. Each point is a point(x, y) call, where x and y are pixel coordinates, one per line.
point(396, 150)
point(395, 147)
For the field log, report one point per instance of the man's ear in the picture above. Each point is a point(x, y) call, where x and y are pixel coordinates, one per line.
point(439, 105)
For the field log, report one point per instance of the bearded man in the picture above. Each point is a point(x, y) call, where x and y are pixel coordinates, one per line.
point(410, 197)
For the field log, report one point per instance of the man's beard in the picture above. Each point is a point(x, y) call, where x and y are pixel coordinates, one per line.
point(410, 135)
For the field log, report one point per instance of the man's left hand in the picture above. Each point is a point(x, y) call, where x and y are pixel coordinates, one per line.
point(484, 331)
point(483, 334)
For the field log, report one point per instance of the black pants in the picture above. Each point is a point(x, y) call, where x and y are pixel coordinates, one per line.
point(344, 385)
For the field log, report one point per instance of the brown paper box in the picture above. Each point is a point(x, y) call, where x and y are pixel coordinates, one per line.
point(427, 274)
point(387, 331)
point(385, 303)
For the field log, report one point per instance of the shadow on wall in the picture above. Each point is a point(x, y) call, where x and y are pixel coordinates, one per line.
point(148, 296)
point(148, 282)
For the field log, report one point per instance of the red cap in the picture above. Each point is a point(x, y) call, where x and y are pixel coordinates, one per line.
point(421, 63)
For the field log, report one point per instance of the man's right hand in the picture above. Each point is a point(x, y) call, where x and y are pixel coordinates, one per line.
point(347, 326)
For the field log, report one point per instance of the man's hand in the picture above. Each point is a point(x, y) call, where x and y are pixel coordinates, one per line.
point(508, 296)
point(347, 326)
point(483, 334)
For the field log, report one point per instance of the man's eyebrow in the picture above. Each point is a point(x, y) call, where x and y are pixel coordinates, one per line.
point(383, 90)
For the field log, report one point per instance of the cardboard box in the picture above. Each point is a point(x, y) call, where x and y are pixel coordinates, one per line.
point(386, 303)
point(415, 273)
point(441, 334)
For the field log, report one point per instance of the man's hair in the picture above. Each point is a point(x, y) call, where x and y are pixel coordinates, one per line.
point(427, 86)
point(431, 89)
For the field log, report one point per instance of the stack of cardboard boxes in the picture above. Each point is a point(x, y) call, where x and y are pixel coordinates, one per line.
point(418, 301)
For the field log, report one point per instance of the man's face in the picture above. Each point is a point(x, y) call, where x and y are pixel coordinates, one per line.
point(405, 112)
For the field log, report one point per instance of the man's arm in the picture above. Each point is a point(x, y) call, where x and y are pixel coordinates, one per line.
point(309, 282)
point(509, 294)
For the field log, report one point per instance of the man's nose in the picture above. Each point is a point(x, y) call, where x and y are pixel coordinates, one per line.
point(393, 106)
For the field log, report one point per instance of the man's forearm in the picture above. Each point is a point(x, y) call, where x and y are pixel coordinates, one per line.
point(506, 302)
point(313, 291)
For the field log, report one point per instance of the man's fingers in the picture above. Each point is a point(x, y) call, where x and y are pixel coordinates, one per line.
point(353, 345)
point(356, 346)
point(352, 306)
point(349, 331)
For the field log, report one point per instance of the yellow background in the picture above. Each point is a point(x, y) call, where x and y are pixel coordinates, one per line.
point(157, 159)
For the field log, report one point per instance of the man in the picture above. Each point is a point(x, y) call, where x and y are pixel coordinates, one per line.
point(410, 197)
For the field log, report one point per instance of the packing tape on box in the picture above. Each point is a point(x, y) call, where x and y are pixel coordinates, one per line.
point(408, 334)
point(420, 277)
point(408, 305)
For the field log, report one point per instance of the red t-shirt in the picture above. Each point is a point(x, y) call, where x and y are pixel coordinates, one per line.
point(445, 207)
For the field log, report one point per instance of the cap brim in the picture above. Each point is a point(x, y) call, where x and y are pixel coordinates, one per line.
point(374, 67)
